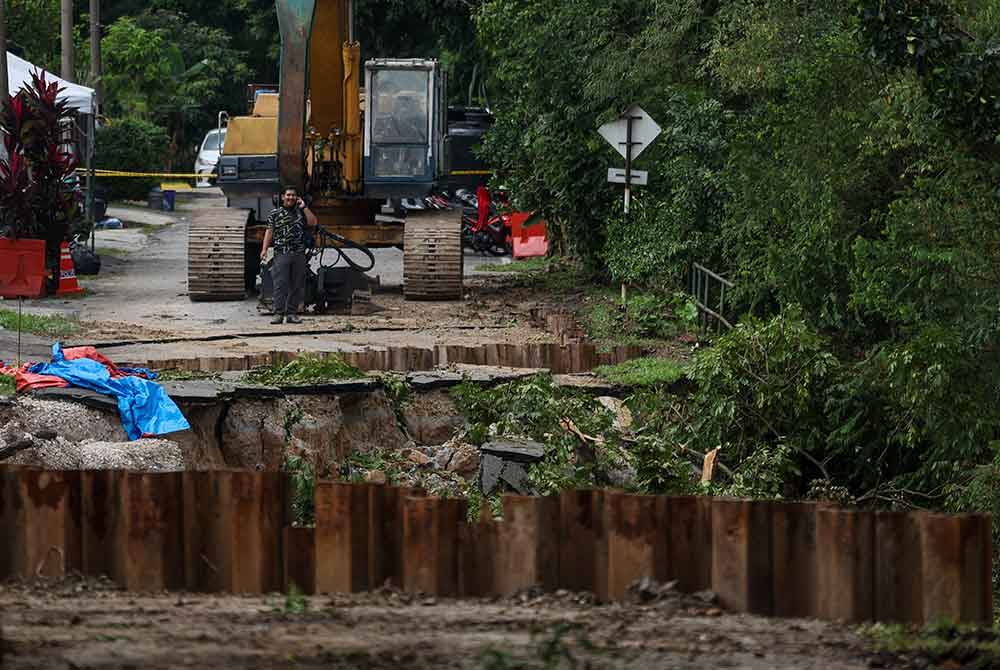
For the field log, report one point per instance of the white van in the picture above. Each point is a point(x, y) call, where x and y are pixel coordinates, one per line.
point(208, 155)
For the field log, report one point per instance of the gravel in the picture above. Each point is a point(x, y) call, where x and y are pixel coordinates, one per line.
point(71, 420)
point(70, 436)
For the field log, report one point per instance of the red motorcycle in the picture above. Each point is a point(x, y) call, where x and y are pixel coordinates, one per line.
point(486, 231)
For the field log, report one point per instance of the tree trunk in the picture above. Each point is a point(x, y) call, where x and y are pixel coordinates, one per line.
point(95, 52)
point(4, 90)
point(67, 40)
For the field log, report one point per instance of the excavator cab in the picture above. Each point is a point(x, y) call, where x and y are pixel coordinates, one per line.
point(404, 127)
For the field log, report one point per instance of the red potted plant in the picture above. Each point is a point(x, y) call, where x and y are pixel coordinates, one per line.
point(38, 199)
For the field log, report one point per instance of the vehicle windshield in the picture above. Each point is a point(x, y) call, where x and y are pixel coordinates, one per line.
point(401, 101)
point(212, 142)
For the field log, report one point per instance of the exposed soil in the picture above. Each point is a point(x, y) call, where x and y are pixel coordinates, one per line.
point(88, 625)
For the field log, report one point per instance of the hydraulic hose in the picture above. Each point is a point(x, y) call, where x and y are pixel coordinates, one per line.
point(345, 243)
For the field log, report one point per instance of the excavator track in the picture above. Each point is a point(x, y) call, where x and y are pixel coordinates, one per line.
point(216, 255)
point(432, 256)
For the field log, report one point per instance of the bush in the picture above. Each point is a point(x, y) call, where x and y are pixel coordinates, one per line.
point(133, 145)
point(762, 388)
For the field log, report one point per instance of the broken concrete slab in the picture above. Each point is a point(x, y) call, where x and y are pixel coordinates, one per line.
point(429, 381)
point(200, 391)
point(489, 473)
point(516, 476)
point(519, 451)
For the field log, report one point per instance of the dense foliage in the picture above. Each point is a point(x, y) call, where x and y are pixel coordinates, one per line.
point(127, 144)
point(838, 162)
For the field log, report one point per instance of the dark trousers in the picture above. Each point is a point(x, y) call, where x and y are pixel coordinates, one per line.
point(288, 271)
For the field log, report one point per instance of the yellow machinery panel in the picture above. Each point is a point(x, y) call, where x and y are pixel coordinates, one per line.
point(266, 105)
point(252, 136)
point(326, 66)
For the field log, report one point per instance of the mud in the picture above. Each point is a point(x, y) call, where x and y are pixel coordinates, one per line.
point(88, 625)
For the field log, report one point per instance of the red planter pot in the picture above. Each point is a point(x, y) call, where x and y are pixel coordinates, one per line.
point(22, 268)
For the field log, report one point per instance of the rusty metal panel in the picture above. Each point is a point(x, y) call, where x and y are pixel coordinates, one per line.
point(581, 530)
point(741, 554)
point(528, 544)
point(637, 541)
point(690, 542)
point(845, 564)
point(793, 532)
point(956, 564)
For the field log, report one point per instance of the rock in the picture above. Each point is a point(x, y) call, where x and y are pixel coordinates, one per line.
point(489, 473)
point(416, 457)
point(521, 451)
point(432, 418)
point(646, 590)
point(707, 597)
point(375, 477)
point(442, 457)
point(46, 434)
point(465, 461)
point(623, 476)
point(623, 415)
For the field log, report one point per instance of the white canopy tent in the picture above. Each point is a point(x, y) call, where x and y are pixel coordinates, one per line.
point(19, 74)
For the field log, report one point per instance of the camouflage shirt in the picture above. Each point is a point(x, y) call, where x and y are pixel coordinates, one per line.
point(288, 230)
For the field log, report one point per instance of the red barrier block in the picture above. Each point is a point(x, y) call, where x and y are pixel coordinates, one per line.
point(527, 544)
point(637, 540)
point(299, 547)
point(430, 545)
point(690, 542)
point(898, 571)
point(233, 523)
point(741, 555)
point(40, 522)
point(845, 566)
point(793, 556)
point(581, 530)
point(957, 568)
point(342, 537)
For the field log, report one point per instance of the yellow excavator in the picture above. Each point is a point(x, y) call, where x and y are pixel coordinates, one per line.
point(350, 151)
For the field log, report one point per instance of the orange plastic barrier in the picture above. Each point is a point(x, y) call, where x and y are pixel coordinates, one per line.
point(529, 241)
point(22, 268)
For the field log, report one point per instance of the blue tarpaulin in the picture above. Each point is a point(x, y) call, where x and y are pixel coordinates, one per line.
point(145, 407)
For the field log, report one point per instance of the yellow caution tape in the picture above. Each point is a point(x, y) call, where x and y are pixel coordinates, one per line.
point(470, 172)
point(163, 175)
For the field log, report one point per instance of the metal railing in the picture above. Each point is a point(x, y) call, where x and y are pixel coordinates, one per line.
point(709, 291)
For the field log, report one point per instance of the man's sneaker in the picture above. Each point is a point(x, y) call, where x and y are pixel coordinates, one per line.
point(278, 318)
point(293, 318)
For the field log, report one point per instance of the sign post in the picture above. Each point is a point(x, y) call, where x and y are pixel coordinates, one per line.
point(630, 134)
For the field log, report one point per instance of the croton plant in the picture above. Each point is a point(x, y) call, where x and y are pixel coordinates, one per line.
point(38, 193)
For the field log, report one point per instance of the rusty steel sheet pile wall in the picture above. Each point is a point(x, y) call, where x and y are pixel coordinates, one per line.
point(229, 531)
point(558, 358)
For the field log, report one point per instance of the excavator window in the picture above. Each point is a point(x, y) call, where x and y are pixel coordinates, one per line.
point(400, 122)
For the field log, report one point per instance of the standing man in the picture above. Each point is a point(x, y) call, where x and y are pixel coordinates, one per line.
point(288, 227)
